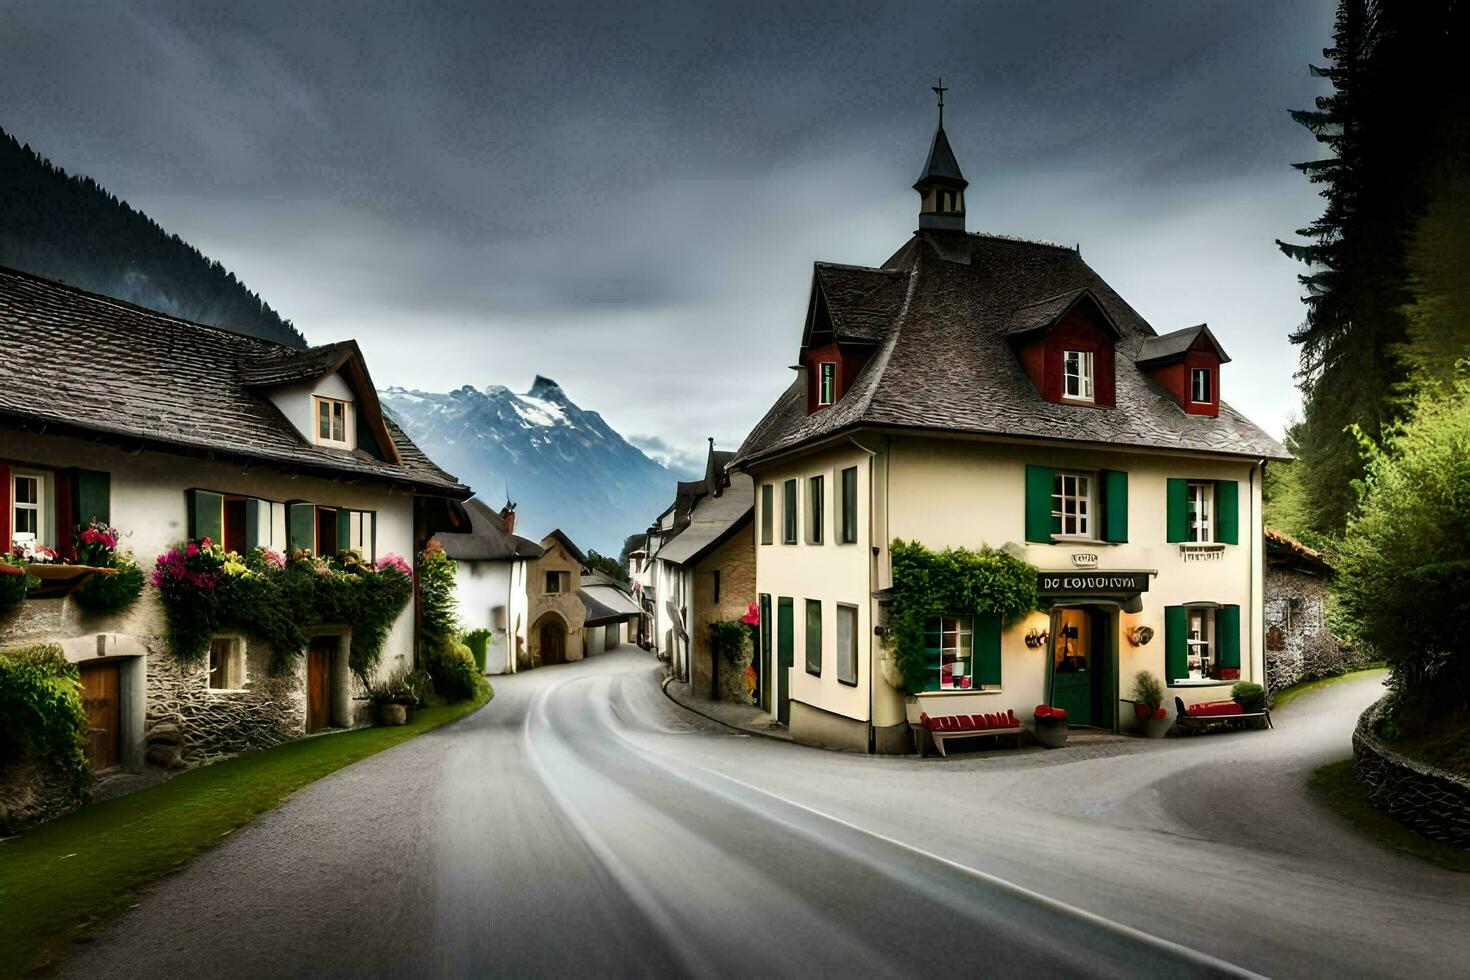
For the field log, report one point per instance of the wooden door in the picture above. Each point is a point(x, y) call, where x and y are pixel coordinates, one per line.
point(553, 643)
point(101, 690)
point(319, 684)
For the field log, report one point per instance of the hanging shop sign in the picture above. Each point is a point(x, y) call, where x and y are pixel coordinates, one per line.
point(1092, 583)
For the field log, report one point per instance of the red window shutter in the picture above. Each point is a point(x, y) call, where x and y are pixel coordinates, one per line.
point(5, 510)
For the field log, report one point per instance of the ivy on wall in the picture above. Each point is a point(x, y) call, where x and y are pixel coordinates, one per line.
point(955, 581)
point(207, 591)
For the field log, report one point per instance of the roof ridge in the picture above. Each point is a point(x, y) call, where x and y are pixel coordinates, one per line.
point(820, 263)
point(1044, 243)
point(124, 304)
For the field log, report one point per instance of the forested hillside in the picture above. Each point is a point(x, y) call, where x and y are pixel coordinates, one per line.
point(69, 227)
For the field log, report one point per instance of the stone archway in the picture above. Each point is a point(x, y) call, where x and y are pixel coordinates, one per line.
point(551, 636)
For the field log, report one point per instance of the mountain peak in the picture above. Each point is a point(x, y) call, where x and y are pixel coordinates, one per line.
point(544, 387)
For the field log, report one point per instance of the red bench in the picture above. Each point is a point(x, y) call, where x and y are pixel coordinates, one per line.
point(1198, 716)
point(941, 727)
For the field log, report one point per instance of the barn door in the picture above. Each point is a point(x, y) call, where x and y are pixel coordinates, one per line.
point(101, 688)
point(553, 643)
point(319, 683)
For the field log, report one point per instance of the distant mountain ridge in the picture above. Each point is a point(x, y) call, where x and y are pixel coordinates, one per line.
point(564, 466)
point(72, 229)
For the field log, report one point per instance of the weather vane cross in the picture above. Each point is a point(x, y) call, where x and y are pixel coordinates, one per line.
point(939, 90)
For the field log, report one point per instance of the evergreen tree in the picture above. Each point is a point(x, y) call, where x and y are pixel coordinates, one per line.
point(1390, 70)
point(69, 228)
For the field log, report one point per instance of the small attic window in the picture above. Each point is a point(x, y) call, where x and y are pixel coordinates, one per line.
point(334, 422)
point(1200, 386)
point(1077, 378)
point(827, 383)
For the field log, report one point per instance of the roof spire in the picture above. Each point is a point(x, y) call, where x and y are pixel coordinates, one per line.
point(941, 187)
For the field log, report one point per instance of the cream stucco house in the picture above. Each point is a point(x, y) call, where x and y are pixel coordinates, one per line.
point(976, 390)
point(491, 582)
point(172, 430)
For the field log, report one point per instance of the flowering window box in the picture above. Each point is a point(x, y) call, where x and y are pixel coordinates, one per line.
point(56, 580)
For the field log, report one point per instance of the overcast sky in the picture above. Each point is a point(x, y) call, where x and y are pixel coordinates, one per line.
point(629, 199)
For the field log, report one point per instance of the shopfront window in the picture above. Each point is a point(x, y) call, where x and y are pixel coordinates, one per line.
point(952, 638)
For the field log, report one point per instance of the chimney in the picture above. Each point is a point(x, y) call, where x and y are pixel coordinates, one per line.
point(508, 517)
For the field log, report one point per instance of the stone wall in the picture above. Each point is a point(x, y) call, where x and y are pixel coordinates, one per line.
point(1431, 801)
point(1300, 646)
point(209, 725)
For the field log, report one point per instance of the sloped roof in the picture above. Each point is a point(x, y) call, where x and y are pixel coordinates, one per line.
point(606, 603)
point(1167, 346)
point(567, 543)
point(860, 302)
point(945, 362)
point(1044, 313)
point(941, 163)
point(712, 520)
point(81, 363)
point(290, 364)
point(487, 539)
point(1283, 549)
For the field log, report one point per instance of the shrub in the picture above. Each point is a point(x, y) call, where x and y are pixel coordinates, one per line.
point(402, 686)
point(730, 639)
point(106, 595)
point(953, 581)
point(1250, 697)
point(451, 666)
point(13, 587)
point(1405, 557)
point(479, 641)
point(1148, 689)
point(41, 704)
point(438, 608)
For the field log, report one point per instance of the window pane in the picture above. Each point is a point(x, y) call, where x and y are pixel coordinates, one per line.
point(815, 493)
point(847, 645)
point(849, 505)
point(27, 490)
point(323, 420)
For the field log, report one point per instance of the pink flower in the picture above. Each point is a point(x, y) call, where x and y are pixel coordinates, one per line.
point(193, 549)
point(393, 563)
point(205, 544)
point(752, 615)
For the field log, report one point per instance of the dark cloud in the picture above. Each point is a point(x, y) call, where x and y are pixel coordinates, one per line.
point(629, 197)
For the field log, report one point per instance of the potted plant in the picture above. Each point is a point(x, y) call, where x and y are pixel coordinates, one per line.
point(1250, 697)
point(1051, 726)
point(1148, 692)
point(394, 695)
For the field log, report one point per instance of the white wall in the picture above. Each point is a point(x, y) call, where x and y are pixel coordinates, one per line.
point(295, 402)
point(492, 595)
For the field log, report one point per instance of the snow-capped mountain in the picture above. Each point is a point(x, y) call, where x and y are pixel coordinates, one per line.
point(564, 466)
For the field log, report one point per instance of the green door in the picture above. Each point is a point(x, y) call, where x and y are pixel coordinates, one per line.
point(1073, 691)
point(1072, 664)
point(764, 680)
point(785, 657)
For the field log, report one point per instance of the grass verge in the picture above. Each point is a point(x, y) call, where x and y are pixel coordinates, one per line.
point(1290, 694)
point(63, 879)
point(1337, 786)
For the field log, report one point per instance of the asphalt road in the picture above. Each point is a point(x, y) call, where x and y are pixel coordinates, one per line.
point(582, 824)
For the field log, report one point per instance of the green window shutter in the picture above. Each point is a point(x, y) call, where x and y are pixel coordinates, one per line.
point(788, 512)
point(1227, 512)
point(1176, 643)
point(94, 497)
point(301, 526)
point(1039, 524)
point(206, 516)
point(785, 632)
point(372, 535)
point(768, 513)
point(1114, 505)
point(987, 649)
point(1178, 509)
point(1227, 636)
point(257, 524)
point(344, 529)
point(814, 637)
point(849, 506)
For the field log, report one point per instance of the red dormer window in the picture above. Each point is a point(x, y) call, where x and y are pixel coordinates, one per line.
point(1065, 345)
point(1187, 364)
point(1201, 385)
point(826, 383)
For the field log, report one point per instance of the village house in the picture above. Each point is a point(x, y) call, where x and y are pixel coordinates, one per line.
point(704, 563)
point(977, 390)
point(1300, 644)
point(612, 613)
point(170, 431)
point(555, 610)
point(492, 566)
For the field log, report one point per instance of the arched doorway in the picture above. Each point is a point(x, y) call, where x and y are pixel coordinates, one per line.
point(553, 641)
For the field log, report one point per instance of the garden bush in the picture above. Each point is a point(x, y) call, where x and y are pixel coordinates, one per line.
point(13, 587)
point(451, 666)
point(1250, 697)
point(42, 766)
point(479, 641)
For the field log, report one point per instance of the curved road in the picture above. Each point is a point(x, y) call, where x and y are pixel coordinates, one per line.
point(582, 823)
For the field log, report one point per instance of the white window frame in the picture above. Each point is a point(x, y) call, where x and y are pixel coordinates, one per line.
point(38, 508)
point(827, 383)
point(239, 650)
point(1200, 640)
point(320, 402)
point(1200, 512)
point(1082, 361)
point(1083, 487)
point(1195, 374)
point(816, 508)
point(962, 630)
point(360, 533)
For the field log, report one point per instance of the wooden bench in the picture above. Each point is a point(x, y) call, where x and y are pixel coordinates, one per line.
point(1211, 712)
point(941, 727)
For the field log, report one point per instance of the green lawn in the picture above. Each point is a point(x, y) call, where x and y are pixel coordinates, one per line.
point(1337, 786)
point(1290, 694)
point(63, 879)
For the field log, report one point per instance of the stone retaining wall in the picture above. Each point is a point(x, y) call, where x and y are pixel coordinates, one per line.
point(1433, 802)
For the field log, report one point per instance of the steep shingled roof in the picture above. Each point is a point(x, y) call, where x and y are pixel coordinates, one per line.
point(1170, 345)
point(487, 539)
point(945, 362)
point(861, 302)
point(78, 362)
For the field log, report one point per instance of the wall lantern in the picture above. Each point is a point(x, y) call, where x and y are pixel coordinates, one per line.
point(1140, 635)
point(1036, 638)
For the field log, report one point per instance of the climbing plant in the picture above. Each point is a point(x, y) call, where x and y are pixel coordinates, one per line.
point(955, 581)
point(207, 591)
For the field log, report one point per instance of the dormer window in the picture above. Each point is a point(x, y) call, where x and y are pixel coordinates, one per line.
point(1077, 377)
point(333, 422)
point(1200, 386)
point(827, 383)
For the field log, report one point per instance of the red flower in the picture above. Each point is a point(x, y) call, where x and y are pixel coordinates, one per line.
point(205, 544)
